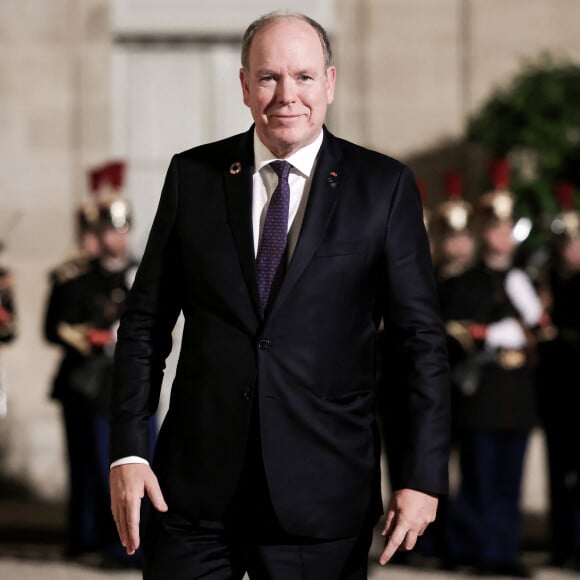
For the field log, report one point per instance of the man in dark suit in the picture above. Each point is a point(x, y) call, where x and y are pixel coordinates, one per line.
point(268, 461)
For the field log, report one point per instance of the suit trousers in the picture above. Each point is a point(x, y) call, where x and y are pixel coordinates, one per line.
point(249, 539)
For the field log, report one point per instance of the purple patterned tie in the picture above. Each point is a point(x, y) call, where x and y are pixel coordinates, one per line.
point(270, 261)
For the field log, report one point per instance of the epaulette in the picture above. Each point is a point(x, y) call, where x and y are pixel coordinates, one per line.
point(70, 270)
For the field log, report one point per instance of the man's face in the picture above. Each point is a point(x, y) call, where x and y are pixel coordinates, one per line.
point(90, 244)
point(458, 247)
point(114, 243)
point(287, 85)
point(499, 238)
point(571, 255)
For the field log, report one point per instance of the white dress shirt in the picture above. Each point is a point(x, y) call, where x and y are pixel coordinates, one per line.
point(264, 183)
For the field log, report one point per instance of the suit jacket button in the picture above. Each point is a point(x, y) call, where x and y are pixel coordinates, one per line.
point(264, 344)
point(247, 394)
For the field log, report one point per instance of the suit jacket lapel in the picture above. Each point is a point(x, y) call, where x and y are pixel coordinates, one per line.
point(238, 173)
point(324, 193)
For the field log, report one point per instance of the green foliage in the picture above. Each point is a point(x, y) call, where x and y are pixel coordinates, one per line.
point(535, 122)
point(539, 111)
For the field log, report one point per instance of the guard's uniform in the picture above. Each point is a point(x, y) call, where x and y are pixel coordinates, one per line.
point(7, 328)
point(85, 303)
point(7, 308)
point(490, 310)
point(558, 390)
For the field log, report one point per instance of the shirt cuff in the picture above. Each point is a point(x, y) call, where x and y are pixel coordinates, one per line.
point(129, 459)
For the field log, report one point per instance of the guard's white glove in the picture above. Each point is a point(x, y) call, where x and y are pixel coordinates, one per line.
point(130, 276)
point(110, 348)
point(523, 296)
point(507, 333)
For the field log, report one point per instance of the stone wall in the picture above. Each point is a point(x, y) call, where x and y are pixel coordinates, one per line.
point(54, 86)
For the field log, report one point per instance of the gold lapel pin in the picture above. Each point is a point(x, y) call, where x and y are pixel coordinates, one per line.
point(235, 168)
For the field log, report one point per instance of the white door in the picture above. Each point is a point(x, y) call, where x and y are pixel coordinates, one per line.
point(165, 100)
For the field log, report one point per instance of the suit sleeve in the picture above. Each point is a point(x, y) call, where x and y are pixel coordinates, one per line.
point(144, 335)
point(422, 367)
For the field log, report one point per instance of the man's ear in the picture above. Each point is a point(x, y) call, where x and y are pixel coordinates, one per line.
point(331, 82)
point(245, 87)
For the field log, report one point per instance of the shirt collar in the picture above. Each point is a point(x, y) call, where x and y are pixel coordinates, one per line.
point(303, 160)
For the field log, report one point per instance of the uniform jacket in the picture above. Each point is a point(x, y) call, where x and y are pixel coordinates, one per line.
point(83, 295)
point(505, 398)
point(557, 372)
point(309, 366)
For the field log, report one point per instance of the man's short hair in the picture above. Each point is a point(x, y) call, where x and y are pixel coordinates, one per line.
point(279, 15)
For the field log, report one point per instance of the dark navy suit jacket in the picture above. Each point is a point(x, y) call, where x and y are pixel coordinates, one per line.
point(362, 255)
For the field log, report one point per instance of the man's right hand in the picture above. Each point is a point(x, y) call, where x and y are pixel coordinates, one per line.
point(129, 483)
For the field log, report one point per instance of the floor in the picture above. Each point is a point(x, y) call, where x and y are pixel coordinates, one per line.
point(31, 535)
point(40, 562)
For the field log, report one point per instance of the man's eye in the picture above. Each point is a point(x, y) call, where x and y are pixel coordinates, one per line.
point(266, 78)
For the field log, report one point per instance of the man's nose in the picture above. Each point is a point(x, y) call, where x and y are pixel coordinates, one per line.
point(286, 90)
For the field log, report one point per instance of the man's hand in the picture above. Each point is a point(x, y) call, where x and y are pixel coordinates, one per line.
point(129, 484)
point(408, 515)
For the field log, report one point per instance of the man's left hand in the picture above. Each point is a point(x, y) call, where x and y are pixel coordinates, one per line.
point(408, 515)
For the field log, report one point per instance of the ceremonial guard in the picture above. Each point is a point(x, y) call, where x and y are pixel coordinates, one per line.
point(7, 325)
point(7, 312)
point(558, 383)
point(455, 247)
point(86, 301)
point(88, 247)
point(452, 231)
point(490, 311)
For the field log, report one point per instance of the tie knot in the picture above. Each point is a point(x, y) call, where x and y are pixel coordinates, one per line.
point(282, 169)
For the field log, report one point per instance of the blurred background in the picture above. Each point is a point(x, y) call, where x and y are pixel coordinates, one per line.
point(83, 82)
